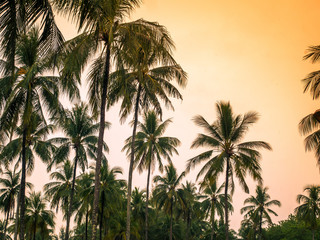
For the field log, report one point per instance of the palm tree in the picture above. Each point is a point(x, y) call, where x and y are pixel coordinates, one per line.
point(85, 197)
point(103, 22)
point(190, 199)
point(214, 202)
point(10, 185)
point(150, 147)
point(30, 91)
point(38, 219)
point(145, 81)
point(111, 193)
point(309, 210)
point(59, 190)
point(310, 124)
point(259, 207)
point(15, 18)
point(24, 148)
point(80, 130)
point(224, 136)
point(166, 193)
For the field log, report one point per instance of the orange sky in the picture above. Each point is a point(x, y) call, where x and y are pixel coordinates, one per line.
point(249, 52)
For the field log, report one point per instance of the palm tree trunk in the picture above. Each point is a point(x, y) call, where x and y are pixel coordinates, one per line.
point(212, 219)
point(35, 228)
point(5, 225)
point(312, 234)
point(100, 144)
point(101, 214)
point(226, 200)
point(17, 218)
point(23, 185)
point(147, 201)
point(87, 225)
point(171, 219)
point(135, 122)
point(72, 194)
point(260, 226)
point(188, 226)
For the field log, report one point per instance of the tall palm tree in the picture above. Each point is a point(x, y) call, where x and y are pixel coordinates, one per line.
point(190, 199)
point(111, 193)
point(38, 219)
point(59, 190)
point(84, 196)
point(145, 81)
point(309, 210)
point(28, 144)
point(213, 202)
point(31, 89)
point(310, 125)
point(10, 185)
point(15, 18)
point(259, 207)
point(104, 26)
point(235, 157)
point(150, 148)
point(166, 193)
point(79, 129)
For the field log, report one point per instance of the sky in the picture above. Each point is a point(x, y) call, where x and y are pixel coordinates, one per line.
point(247, 52)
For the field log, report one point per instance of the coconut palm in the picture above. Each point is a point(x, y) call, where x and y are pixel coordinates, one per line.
point(111, 193)
point(258, 207)
point(59, 190)
point(235, 157)
point(39, 220)
point(190, 199)
point(105, 30)
point(34, 145)
point(310, 124)
point(31, 90)
point(15, 18)
point(151, 148)
point(79, 129)
point(84, 196)
point(166, 193)
point(10, 185)
point(309, 210)
point(145, 81)
point(213, 202)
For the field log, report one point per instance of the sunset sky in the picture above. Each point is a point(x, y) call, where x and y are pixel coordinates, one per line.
point(247, 52)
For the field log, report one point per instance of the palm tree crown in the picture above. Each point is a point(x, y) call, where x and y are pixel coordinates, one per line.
point(309, 210)
point(259, 207)
point(227, 151)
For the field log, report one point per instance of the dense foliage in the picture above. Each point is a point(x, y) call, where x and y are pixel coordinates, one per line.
point(131, 63)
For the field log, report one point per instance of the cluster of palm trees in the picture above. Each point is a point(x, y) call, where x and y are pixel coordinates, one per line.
point(130, 63)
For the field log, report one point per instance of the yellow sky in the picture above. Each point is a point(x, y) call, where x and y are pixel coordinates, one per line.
point(249, 52)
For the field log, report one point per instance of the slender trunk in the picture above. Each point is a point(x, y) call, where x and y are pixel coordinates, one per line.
point(16, 227)
point(171, 219)
point(100, 145)
point(5, 225)
point(226, 200)
point(147, 201)
point(23, 185)
point(212, 218)
point(312, 234)
point(135, 122)
point(87, 214)
point(101, 214)
point(188, 226)
point(69, 213)
point(13, 38)
point(35, 228)
point(260, 226)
